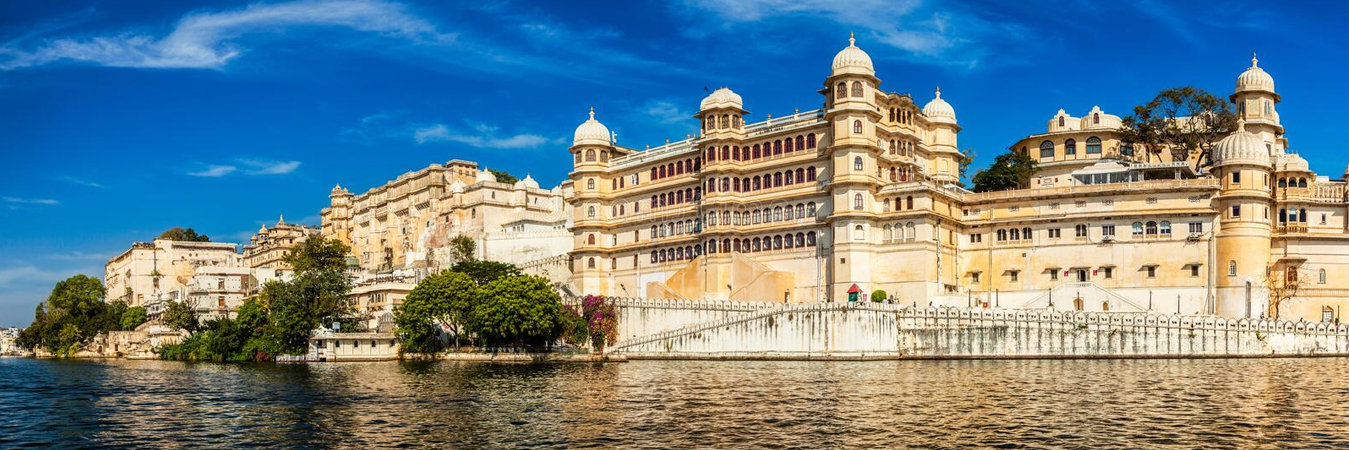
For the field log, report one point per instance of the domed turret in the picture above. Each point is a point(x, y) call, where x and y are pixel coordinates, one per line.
point(1255, 79)
point(852, 60)
point(527, 183)
point(1241, 147)
point(722, 98)
point(484, 175)
point(938, 110)
point(591, 132)
point(1099, 119)
point(1292, 162)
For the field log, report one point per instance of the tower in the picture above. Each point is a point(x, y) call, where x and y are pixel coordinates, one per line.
point(853, 153)
point(592, 149)
point(1242, 164)
point(1255, 100)
point(941, 140)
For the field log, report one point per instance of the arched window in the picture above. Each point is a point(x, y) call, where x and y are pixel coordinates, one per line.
point(788, 178)
point(857, 163)
point(725, 121)
point(810, 140)
point(859, 233)
point(1151, 228)
point(757, 183)
point(1321, 277)
point(1302, 182)
point(757, 244)
point(1095, 118)
point(590, 263)
point(590, 184)
point(1070, 147)
point(890, 232)
point(757, 217)
point(910, 232)
point(1138, 228)
point(1060, 120)
point(1047, 149)
point(788, 147)
point(800, 143)
point(841, 90)
point(787, 243)
point(1093, 145)
point(590, 240)
point(800, 240)
point(755, 151)
point(908, 202)
point(1231, 268)
point(578, 156)
point(810, 238)
point(1166, 228)
point(725, 184)
point(604, 156)
point(857, 89)
point(810, 173)
point(1002, 235)
point(777, 179)
point(777, 147)
point(857, 127)
point(810, 209)
point(777, 214)
point(857, 201)
point(1303, 215)
point(590, 155)
point(1026, 234)
point(590, 212)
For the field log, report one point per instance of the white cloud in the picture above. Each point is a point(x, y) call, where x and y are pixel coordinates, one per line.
point(11, 276)
point(214, 171)
point(209, 40)
point(81, 182)
point(485, 138)
point(262, 167)
point(30, 201)
point(665, 111)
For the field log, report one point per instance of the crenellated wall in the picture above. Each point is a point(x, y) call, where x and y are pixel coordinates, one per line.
point(882, 331)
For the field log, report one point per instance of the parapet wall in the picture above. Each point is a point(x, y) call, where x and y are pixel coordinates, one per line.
point(879, 331)
point(645, 317)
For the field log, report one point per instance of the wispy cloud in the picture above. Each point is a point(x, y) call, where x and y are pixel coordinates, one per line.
point(264, 167)
point(209, 40)
point(11, 276)
point(214, 171)
point(665, 111)
point(29, 201)
point(484, 136)
point(79, 181)
point(77, 256)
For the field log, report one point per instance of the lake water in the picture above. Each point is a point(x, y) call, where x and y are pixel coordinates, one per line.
point(1236, 403)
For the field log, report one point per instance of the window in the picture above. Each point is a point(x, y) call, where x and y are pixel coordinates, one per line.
point(857, 163)
point(1194, 270)
point(1046, 149)
point(590, 184)
point(590, 264)
point(1093, 145)
point(1127, 150)
point(841, 90)
point(1152, 271)
point(1321, 277)
point(1070, 147)
point(857, 127)
point(810, 209)
point(1231, 268)
point(1055, 233)
point(1196, 227)
point(1236, 177)
point(1080, 230)
point(856, 89)
point(857, 201)
point(1151, 228)
point(590, 212)
point(976, 238)
point(1108, 271)
point(1053, 274)
point(858, 233)
point(590, 155)
point(1166, 228)
point(1138, 228)
point(1015, 274)
point(1108, 230)
point(1236, 211)
point(974, 277)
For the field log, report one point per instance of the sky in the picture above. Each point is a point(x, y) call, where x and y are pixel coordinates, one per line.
point(119, 120)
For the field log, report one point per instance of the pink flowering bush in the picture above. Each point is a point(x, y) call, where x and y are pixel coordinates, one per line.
point(594, 323)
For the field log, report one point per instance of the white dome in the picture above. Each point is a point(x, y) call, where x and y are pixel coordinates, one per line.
point(1255, 79)
point(527, 183)
point(484, 175)
point(591, 132)
point(457, 186)
point(722, 98)
point(1292, 162)
point(852, 60)
point(938, 110)
point(1241, 147)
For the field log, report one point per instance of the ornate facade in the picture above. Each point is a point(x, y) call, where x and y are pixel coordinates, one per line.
point(863, 194)
point(407, 223)
point(269, 247)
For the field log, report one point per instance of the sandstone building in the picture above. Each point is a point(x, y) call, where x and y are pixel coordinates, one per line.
point(863, 194)
point(268, 248)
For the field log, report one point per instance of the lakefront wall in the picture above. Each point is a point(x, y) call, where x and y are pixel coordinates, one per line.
point(886, 331)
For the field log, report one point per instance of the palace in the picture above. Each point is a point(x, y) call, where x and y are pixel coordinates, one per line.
point(269, 247)
point(863, 195)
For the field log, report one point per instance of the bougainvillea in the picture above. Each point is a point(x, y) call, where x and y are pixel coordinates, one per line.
point(594, 323)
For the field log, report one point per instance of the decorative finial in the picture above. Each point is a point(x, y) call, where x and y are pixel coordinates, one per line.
point(852, 41)
point(592, 113)
point(938, 91)
point(1254, 61)
point(281, 219)
point(1241, 124)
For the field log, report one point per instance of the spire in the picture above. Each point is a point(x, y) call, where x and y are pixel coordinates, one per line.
point(938, 91)
point(852, 40)
point(1241, 124)
point(592, 113)
point(281, 220)
point(1254, 61)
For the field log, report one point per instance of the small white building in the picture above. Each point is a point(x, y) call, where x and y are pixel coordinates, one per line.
point(331, 346)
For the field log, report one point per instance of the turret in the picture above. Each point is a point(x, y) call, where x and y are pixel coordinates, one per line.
point(942, 140)
point(1255, 101)
point(1242, 164)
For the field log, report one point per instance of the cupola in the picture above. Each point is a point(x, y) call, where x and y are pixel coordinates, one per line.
point(591, 132)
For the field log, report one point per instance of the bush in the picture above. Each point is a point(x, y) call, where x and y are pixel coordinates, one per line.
point(878, 296)
point(133, 317)
point(518, 310)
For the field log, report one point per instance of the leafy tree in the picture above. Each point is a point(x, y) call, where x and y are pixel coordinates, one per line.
point(180, 316)
point(183, 234)
point(1185, 120)
point(878, 295)
point(484, 272)
point(966, 158)
point(462, 248)
point(518, 310)
point(444, 299)
point(1011, 170)
point(503, 177)
point(133, 317)
point(297, 307)
point(318, 254)
point(70, 316)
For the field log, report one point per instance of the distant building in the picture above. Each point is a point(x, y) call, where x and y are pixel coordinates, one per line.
point(7, 338)
point(408, 223)
point(269, 247)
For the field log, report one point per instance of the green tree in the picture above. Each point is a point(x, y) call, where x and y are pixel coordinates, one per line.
point(297, 307)
point(503, 177)
point(318, 254)
point(462, 248)
point(133, 317)
point(518, 310)
point(444, 299)
point(964, 161)
point(183, 234)
point(1011, 170)
point(70, 316)
point(1184, 120)
point(879, 295)
point(483, 272)
point(180, 316)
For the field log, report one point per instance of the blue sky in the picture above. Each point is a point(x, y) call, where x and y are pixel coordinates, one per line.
point(121, 119)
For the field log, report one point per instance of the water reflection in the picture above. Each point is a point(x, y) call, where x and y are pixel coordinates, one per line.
point(1255, 403)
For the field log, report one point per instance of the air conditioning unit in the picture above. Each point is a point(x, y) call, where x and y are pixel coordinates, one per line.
point(1108, 238)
